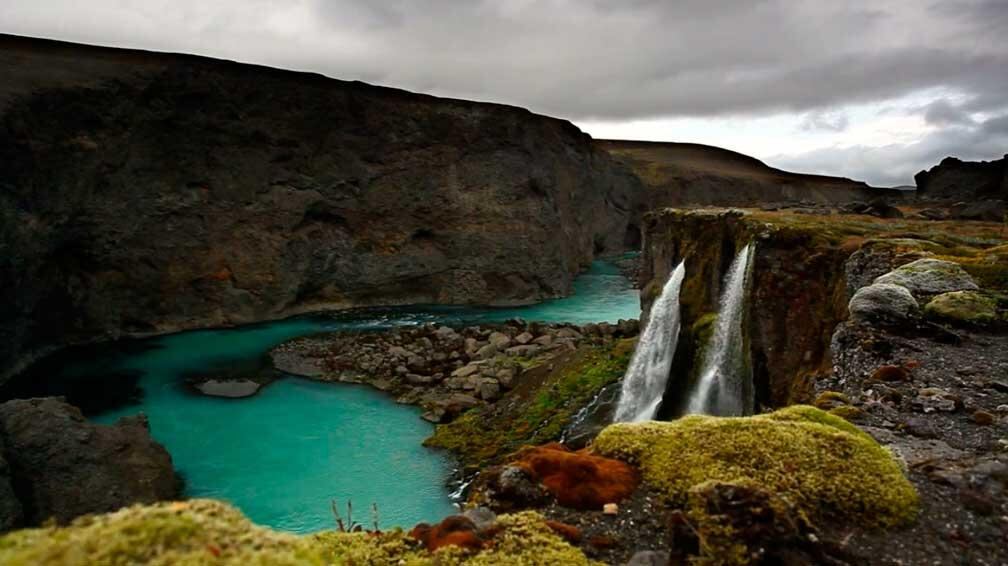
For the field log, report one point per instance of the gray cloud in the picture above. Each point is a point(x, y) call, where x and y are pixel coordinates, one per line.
point(896, 164)
point(822, 121)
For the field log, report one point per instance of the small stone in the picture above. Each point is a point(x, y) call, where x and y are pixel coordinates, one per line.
point(1002, 409)
point(610, 509)
point(983, 418)
point(649, 558)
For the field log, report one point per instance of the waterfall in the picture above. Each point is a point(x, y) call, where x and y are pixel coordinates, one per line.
point(725, 386)
point(648, 372)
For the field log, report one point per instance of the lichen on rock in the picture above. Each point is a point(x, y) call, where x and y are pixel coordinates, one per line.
point(929, 276)
point(825, 465)
point(883, 302)
point(963, 307)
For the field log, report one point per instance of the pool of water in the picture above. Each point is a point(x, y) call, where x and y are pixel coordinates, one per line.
point(283, 455)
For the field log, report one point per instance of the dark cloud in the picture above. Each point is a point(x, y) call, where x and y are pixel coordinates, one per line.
point(941, 112)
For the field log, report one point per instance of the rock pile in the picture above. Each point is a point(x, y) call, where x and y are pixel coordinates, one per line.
point(444, 370)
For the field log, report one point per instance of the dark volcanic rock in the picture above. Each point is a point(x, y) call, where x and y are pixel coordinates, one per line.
point(62, 466)
point(954, 179)
point(144, 193)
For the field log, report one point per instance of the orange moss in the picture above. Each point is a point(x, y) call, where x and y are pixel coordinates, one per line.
point(577, 479)
point(891, 373)
point(453, 531)
point(570, 533)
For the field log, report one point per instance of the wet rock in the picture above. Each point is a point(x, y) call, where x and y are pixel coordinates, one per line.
point(229, 389)
point(883, 302)
point(930, 277)
point(64, 466)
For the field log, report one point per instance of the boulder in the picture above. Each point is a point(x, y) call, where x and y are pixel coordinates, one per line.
point(499, 340)
point(524, 338)
point(930, 276)
point(486, 352)
point(986, 210)
point(466, 370)
point(64, 466)
point(883, 302)
point(488, 389)
point(544, 340)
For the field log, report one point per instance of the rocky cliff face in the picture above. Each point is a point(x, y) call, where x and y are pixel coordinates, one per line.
point(144, 193)
point(954, 179)
point(796, 294)
point(678, 174)
point(61, 466)
point(805, 270)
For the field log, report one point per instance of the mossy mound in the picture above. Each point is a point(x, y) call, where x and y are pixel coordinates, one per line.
point(535, 412)
point(930, 276)
point(963, 307)
point(823, 464)
point(199, 532)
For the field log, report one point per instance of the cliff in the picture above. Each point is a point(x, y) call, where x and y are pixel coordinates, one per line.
point(954, 179)
point(804, 271)
point(678, 174)
point(143, 193)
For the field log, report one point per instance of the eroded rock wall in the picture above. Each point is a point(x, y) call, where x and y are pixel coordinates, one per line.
point(143, 193)
point(797, 295)
point(955, 179)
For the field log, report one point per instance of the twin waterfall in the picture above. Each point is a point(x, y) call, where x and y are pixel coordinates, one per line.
point(725, 385)
point(648, 372)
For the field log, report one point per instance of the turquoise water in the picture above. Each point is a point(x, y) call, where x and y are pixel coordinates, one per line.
point(284, 454)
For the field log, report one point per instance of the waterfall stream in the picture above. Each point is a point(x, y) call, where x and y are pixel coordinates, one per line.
point(725, 386)
point(645, 379)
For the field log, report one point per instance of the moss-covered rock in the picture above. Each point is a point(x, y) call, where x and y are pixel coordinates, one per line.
point(538, 410)
point(883, 302)
point(930, 276)
point(205, 531)
point(963, 307)
point(828, 467)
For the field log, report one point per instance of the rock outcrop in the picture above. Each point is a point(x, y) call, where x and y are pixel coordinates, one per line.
point(143, 193)
point(954, 179)
point(61, 466)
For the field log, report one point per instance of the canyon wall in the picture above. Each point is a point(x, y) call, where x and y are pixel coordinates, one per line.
point(796, 295)
point(678, 174)
point(144, 193)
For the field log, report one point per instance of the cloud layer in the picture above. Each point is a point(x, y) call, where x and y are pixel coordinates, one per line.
point(601, 60)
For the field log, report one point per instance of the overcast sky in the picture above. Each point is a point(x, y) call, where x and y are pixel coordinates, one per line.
point(875, 90)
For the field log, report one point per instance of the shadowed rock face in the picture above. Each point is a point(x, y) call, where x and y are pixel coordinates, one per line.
point(144, 193)
point(954, 179)
point(62, 466)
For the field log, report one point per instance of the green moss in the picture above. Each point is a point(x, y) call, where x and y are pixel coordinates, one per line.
point(828, 399)
point(205, 531)
point(965, 307)
point(535, 415)
point(823, 464)
point(847, 412)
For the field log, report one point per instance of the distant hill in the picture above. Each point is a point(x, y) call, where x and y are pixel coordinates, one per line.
point(689, 173)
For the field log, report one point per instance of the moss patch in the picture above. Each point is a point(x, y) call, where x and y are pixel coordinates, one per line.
point(963, 307)
point(211, 532)
point(823, 464)
point(537, 412)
